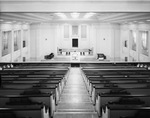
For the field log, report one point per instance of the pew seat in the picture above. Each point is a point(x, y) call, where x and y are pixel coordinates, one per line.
point(124, 111)
point(28, 111)
point(47, 99)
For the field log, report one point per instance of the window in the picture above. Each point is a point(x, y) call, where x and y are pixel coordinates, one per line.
point(6, 38)
point(83, 31)
point(133, 40)
point(144, 42)
point(66, 31)
point(75, 30)
point(17, 39)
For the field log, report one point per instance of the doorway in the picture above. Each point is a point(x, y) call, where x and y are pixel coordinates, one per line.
point(75, 42)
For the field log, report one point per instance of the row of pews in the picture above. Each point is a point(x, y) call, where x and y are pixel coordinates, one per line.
point(31, 90)
point(119, 90)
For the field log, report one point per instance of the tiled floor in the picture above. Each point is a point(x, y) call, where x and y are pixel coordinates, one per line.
point(75, 101)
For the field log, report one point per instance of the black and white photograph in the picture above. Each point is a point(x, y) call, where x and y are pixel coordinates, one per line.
point(74, 58)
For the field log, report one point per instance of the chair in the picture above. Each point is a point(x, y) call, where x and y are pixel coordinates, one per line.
point(101, 56)
point(50, 56)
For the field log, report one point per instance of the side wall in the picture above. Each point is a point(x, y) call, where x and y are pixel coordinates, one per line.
point(127, 52)
point(108, 41)
point(43, 37)
point(22, 52)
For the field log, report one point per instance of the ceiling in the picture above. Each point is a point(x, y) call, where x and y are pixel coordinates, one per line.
point(101, 17)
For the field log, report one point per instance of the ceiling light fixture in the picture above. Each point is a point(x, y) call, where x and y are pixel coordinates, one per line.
point(88, 15)
point(62, 15)
point(75, 15)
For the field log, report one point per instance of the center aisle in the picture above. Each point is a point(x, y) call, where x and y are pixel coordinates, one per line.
point(75, 101)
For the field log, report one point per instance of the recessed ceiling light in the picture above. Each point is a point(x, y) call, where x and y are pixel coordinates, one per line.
point(75, 15)
point(88, 15)
point(62, 15)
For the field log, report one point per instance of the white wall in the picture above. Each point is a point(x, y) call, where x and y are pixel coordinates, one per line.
point(47, 39)
point(42, 40)
point(108, 41)
point(14, 55)
point(127, 51)
point(67, 42)
point(103, 38)
point(116, 44)
point(106, 38)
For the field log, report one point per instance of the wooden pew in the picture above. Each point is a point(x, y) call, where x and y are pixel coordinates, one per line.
point(97, 86)
point(47, 99)
point(124, 111)
point(127, 90)
point(56, 87)
point(113, 76)
point(34, 78)
point(120, 82)
point(30, 111)
point(34, 64)
point(103, 99)
point(125, 72)
point(130, 77)
point(115, 64)
point(49, 79)
point(28, 83)
point(115, 85)
point(29, 91)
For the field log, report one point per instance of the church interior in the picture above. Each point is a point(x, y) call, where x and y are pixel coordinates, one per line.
point(74, 58)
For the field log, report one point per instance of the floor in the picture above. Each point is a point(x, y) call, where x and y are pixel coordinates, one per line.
point(75, 101)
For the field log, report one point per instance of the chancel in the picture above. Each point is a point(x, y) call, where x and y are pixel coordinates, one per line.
point(75, 59)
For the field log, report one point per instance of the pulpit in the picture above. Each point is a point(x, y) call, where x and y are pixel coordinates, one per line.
point(75, 56)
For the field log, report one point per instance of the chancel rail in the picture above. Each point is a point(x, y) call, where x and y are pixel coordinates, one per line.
point(63, 51)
